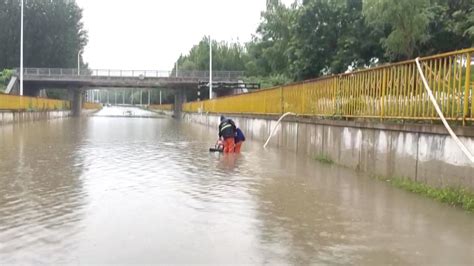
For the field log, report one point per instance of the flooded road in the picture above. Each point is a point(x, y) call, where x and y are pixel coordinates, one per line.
point(138, 190)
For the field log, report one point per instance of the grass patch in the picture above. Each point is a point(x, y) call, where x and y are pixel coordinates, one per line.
point(323, 159)
point(453, 196)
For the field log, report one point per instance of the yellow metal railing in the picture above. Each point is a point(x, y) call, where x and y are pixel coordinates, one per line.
point(393, 91)
point(14, 102)
point(161, 107)
point(91, 106)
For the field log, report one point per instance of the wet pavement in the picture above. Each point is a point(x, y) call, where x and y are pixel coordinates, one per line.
point(141, 190)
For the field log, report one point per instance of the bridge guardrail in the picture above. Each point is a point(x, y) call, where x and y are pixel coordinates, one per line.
point(88, 73)
point(393, 91)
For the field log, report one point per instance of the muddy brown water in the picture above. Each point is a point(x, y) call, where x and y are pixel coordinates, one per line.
point(137, 190)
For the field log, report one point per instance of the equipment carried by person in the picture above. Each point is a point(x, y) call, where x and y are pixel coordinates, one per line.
point(218, 147)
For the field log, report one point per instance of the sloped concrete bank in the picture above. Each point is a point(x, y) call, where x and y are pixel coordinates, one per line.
point(424, 153)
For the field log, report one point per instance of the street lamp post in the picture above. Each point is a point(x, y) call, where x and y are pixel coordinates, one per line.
point(79, 62)
point(21, 51)
point(210, 67)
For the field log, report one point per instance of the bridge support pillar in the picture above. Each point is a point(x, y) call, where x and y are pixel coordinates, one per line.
point(76, 101)
point(179, 99)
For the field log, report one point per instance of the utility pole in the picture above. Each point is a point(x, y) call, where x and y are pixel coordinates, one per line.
point(160, 97)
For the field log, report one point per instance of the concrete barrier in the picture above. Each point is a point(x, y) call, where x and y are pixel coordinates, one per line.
point(423, 153)
point(13, 117)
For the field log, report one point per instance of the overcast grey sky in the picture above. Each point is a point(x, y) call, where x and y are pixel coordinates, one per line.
point(151, 34)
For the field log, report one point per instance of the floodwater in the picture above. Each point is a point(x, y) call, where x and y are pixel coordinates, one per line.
point(141, 190)
point(125, 111)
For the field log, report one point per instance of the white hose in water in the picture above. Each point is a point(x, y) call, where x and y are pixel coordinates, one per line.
point(440, 113)
point(275, 127)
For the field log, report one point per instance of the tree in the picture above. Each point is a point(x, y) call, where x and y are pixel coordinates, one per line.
point(406, 21)
point(357, 45)
point(225, 56)
point(53, 33)
point(319, 37)
point(329, 36)
point(451, 28)
point(269, 50)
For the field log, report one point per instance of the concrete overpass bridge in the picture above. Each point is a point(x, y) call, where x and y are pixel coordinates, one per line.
point(77, 82)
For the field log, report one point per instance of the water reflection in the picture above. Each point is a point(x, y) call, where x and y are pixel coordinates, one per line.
point(41, 194)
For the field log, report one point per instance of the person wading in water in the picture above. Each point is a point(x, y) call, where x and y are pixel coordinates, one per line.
point(238, 139)
point(227, 131)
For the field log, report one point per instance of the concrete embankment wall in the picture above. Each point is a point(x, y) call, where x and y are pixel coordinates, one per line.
point(423, 153)
point(12, 117)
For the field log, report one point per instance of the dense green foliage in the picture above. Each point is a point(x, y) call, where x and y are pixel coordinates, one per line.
point(53, 33)
point(225, 57)
point(4, 78)
point(407, 21)
point(319, 37)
